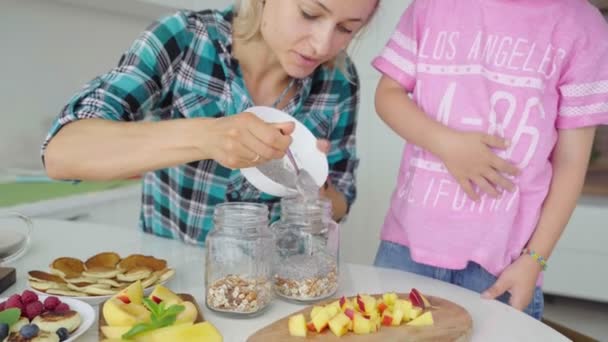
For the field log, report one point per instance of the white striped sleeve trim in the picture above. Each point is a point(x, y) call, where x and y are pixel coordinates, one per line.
point(401, 63)
point(596, 108)
point(404, 42)
point(585, 89)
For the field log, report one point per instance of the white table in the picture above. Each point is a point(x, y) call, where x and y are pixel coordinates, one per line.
point(492, 320)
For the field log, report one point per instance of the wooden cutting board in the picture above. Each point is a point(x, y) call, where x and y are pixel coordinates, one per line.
point(452, 323)
point(183, 296)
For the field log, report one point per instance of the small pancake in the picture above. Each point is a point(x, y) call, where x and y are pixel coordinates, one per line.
point(138, 260)
point(105, 260)
point(101, 272)
point(69, 293)
point(67, 267)
point(135, 274)
point(52, 321)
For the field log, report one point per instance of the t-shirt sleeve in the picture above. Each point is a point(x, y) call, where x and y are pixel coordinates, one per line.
point(583, 86)
point(398, 57)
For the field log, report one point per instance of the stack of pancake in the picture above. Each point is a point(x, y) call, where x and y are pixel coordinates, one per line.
point(101, 275)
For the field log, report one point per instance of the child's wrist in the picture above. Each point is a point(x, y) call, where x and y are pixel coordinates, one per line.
point(539, 259)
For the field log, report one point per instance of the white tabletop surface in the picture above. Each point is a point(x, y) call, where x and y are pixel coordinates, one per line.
point(492, 321)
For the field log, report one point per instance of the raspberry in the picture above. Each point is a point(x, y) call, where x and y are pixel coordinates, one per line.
point(50, 303)
point(14, 304)
point(14, 299)
point(63, 307)
point(28, 297)
point(33, 309)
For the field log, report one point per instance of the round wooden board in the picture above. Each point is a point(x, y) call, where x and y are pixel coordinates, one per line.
point(451, 323)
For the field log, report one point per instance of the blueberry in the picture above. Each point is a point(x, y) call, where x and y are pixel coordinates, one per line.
point(29, 330)
point(3, 331)
point(63, 334)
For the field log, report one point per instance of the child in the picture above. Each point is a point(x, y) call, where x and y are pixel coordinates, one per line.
point(532, 72)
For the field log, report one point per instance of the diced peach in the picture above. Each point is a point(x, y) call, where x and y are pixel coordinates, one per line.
point(310, 326)
point(350, 313)
point(297, 325)
point(389, 298)
point(387, 318)
point(339, 324)
point(361, 325)
point(332, 310)
point(315, 311)
point(321, 320)
point(397, 316)
point(425, 319)
point(382, 306)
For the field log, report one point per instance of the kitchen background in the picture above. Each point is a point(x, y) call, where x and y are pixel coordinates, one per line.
point(50, 48)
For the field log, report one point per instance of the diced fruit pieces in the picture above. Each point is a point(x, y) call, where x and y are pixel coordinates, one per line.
point(419, 300)
point(367, 304)
point(397, 317)
point(389, 298)
point(297, 325)
point(382, 306)
point(423, 320)
point(414, 313)
point(321, 320)
point(361, 325)
point(310, 326)
point(315, 311)
point(387, 318)
point(350, 313)
point(339, 324)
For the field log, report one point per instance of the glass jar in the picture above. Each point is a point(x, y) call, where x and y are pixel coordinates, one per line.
point(238, 261)
point(306, 250)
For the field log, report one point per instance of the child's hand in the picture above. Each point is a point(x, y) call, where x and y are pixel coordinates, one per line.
point(468, 156)
point(519, 279)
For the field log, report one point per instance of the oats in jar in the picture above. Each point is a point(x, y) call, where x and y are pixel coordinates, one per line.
point(239, 294)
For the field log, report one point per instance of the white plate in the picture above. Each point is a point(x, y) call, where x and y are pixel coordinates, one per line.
point(86, 311)
point(303, 148)
point(96, 300)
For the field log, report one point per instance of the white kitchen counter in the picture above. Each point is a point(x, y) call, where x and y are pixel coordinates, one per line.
point(492, 320)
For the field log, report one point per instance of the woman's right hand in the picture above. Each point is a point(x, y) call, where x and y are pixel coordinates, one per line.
point(244, 140)
point(468, 156)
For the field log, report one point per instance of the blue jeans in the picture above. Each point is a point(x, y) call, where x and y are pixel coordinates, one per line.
point(474, 277)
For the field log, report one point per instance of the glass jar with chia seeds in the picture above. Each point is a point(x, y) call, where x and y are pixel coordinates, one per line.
point(306, 250)
point(239, 251)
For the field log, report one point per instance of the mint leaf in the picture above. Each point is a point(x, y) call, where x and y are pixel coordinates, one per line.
point(159, 317)
point(10, 316)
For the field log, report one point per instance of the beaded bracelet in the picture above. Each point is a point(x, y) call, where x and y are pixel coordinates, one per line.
point(539, 259)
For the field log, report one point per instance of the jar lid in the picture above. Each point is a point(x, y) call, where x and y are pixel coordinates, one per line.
point(278, 177)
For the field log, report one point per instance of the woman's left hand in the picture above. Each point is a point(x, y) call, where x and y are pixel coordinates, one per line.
point(519, 279)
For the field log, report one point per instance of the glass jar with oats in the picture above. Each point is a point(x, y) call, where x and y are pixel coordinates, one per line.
point(238, 274)
point(306, 250)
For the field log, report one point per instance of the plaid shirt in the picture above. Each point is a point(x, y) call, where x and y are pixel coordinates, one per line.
point(182, 67)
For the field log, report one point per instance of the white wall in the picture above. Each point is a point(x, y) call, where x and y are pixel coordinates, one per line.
point(51, 48)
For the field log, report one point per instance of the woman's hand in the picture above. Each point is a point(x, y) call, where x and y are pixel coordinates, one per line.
point(244, 140)
point(519, 279)
point(469, 158)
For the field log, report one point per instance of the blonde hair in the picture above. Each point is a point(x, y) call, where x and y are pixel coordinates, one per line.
point(248, 21)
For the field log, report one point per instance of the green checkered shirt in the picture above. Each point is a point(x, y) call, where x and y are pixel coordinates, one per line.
point(182, 67)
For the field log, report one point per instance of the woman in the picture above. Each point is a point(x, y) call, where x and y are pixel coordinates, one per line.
point(173, 108)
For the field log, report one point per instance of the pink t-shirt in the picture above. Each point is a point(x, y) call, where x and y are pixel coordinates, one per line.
point(520, 69)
